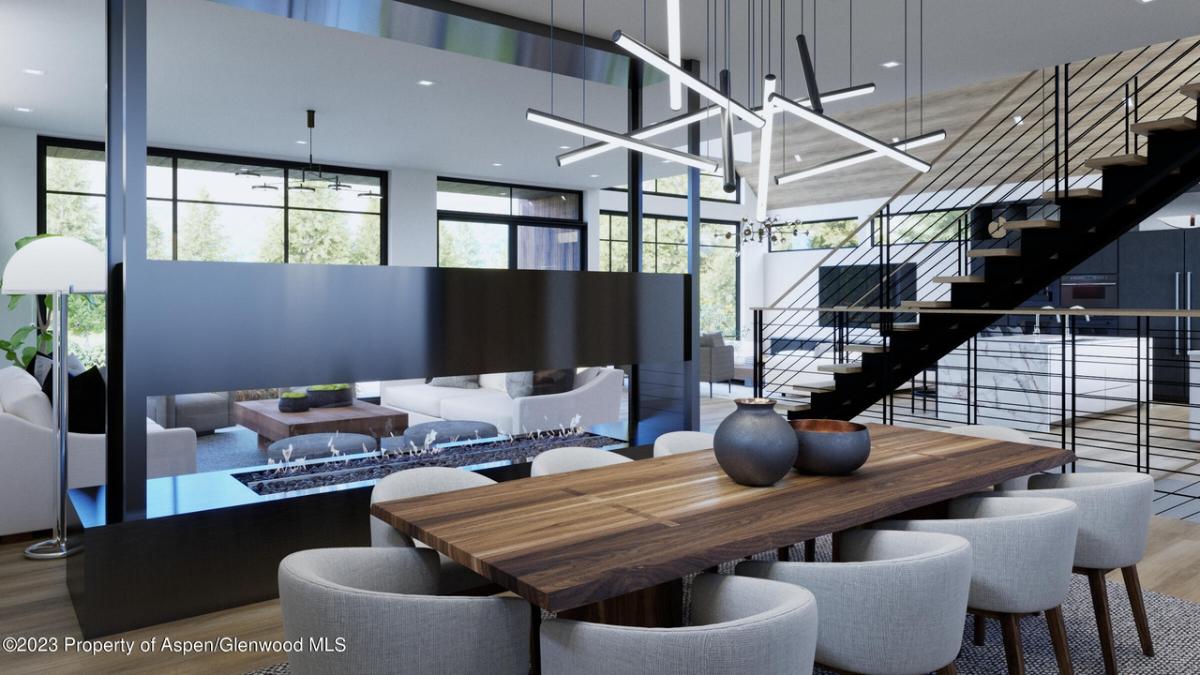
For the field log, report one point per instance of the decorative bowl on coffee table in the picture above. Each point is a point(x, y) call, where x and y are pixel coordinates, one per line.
point(831, 447)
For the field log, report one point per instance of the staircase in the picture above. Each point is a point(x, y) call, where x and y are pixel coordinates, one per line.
point(1073, 178)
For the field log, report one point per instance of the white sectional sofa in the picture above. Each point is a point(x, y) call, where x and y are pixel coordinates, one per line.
point(29, 455)
point(596, 398)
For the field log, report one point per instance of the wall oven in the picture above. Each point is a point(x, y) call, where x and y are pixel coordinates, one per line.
point(1092, 291)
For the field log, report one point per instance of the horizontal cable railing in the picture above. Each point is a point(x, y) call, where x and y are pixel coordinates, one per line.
point(1117, 387)
point(1031, 147)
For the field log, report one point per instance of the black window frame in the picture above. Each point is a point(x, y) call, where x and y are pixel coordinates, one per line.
point(771, 245)
point(44, 142)
point(737, 247)
point(515, 223)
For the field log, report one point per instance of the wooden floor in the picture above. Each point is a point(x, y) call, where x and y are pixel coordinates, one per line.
point(34, 602)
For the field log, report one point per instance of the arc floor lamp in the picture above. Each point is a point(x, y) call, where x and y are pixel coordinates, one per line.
point(56, 266)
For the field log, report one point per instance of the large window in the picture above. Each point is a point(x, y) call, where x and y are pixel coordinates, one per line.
point(664, 250)
point(205, 207)
point(712, 188)
point(496, 226)
point(922, 227)
point(816, 235)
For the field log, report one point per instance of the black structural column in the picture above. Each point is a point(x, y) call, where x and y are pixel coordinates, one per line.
point(125, 228)
point(691, 372)
point(634, 228)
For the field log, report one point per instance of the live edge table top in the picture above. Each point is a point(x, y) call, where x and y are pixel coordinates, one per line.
point(572, 539)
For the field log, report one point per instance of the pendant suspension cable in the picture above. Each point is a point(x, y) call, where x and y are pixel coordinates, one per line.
point(906, 59)
point(850, 45)
point(552, 50)
point(921, 85)
point(783, 71)
point(583, 80)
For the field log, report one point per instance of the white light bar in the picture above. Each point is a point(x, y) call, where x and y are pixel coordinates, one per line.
point(641, 134)
point(764, 148)
point(859, 158)
point(701, 115)
point(625, 141)
point(675, 52)
point(846, 132)
point(688, 80)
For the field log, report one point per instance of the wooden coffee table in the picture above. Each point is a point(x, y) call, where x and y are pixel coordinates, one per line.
point(265, 419)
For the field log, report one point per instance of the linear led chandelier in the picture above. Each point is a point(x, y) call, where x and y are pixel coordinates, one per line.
point(724, 106)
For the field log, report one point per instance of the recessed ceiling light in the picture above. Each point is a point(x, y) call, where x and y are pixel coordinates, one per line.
point(23, 109)
point(33, 71)
point(564, 147)
point(1146, 1)
point(425, 83)
point(1018, 120)
point(666, 161)
point(895, 139)
point(301, 142)
point(594, 175)
point(797, 156)
point(891, 64)
point(497, 164)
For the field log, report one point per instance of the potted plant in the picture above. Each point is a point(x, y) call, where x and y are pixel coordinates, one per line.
point(293, 401)
point(330, 395)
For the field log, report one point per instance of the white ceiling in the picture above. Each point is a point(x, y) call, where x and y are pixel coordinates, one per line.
point(227, 79)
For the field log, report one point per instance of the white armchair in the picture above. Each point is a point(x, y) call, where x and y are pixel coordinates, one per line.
point(29, 455)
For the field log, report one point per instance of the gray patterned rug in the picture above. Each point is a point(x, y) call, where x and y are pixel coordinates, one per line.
point(1174, 624)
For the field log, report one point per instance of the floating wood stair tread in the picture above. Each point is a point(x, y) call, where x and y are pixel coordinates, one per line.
point(968, 279)
point(1100, 163)
point(925, 304)
point(866, 349)
point(840, 368)
point(1166, 124)
point(1031, 225)
point(994, 253)
point(1077, 193)
point(1191, 90)
point(819, 386)
point(787, 406)
point(900, 326)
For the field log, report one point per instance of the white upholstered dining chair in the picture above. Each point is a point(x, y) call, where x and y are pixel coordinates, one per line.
point(562, 460)
point(1022, 553)
point(1114, 522)
point(426, 480)
point(679, 442)
point(893, 604)
point(383, 603)
point(740, 625)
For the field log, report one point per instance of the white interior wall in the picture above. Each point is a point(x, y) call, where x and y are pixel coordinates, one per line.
point(18, 209)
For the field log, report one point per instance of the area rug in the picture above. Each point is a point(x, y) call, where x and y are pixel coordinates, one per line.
point(1174, 623)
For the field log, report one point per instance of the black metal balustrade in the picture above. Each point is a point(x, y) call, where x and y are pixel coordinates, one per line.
point(1006, 210)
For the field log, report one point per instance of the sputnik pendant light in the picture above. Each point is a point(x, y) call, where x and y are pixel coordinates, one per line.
point(311, 175)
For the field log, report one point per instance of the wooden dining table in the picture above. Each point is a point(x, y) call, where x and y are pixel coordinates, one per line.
point(610, 544)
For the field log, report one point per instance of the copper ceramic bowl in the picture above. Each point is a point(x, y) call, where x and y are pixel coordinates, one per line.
point(831, 447)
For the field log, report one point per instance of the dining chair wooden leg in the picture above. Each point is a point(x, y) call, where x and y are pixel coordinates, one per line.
point(1010, 625)
point(948, 670)
point(1103, 619)
point(810, 550)
point(980, 632)
point(1133, 586)
point(535, 640)
point(785, 553)
point(1058, 638)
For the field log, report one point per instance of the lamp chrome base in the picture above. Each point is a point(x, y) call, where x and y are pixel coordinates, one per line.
point(51, 549)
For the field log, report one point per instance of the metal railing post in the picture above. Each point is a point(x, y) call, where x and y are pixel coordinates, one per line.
point(759, 358)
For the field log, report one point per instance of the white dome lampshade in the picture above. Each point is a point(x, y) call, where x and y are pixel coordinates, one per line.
point(54, 264)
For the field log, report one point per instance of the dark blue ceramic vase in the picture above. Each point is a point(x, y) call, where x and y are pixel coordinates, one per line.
point(754, 445)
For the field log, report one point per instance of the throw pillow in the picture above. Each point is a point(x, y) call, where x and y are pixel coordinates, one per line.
point(712, 340)
point(540, 382)
point(86, 403)
point(456, 382)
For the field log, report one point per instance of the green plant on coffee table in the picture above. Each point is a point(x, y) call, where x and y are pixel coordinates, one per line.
point(329, 387)
point(293, 394)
